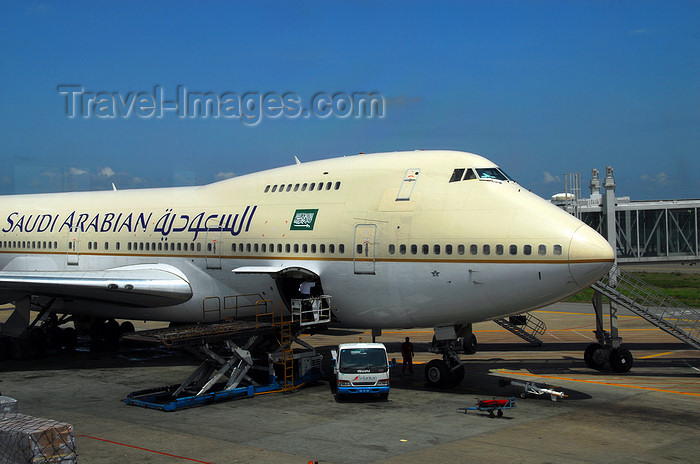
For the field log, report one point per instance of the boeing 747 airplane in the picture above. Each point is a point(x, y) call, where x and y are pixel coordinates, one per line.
point(438, 239)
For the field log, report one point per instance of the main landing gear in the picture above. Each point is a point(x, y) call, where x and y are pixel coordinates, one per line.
point(449, 371)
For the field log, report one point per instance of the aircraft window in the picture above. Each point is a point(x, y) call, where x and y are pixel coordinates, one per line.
point(486, 249)
point(341, 248)
point(304, 248)
point(392, 249)
point(513, 249)
point(199, 246)
point(303, 186)
point(542, 249)
point(414, 249)
point(240, 247)
point(208, 246)
point(296, 248)
point(402, 249)
point(140, 246)
point(448, 249)
point(128, 246)
point(289, 187)
point(322, 248)
point(328, 185)
point(527, 250)
point(320, 186)
point(337, 185)
point(499, 249)
point(457, 175)
point(470, 175)
point(281, 188)
point(274, 188)
point(436, 249)
point(311, 186)
point(313, 248)
point(106, 245)
point(287, 248)
point(331, 248)
point(491, 173)
point(55, 244)
point(425, 249)
point(296, 187)
point(557, 249)
point(89, 246)
point(473, 249)
point(264, 247)
point(233, 247)
point(160, 247)
point(267, 189)
point(460, 249)
point(359, 248)
point(255, 247)
point(279, 248)
point(247, 247)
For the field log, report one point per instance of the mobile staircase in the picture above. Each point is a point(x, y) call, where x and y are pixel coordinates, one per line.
point(240, 357)
point(525, 326)
point(628, 291)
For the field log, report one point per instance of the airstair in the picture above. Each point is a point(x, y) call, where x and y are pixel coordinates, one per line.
point(653, 305)
point(525, 326)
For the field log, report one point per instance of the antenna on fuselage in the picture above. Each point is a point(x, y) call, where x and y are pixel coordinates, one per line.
point(114, 187)
point(296, 160)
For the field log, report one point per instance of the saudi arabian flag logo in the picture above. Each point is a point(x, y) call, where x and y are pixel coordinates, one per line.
point(304, 219)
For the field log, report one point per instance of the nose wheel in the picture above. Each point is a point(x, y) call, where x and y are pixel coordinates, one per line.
point(620, 359)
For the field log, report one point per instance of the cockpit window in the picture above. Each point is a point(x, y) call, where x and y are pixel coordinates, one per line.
point(491, 174)
point(457, 175)
point(470, 175)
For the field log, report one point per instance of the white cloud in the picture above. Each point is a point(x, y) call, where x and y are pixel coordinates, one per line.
point(77, 172)
point(549, 179)
point(107, 171)
point(224, 175)
point(659, 179)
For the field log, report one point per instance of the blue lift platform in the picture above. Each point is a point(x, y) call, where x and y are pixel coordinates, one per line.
point(240, 358)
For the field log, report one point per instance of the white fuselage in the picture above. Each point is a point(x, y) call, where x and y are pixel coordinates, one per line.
point(390, 237)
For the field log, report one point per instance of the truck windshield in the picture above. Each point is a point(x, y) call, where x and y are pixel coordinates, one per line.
point(357, 360)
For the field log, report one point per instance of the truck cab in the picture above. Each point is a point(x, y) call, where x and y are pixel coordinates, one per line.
point(361, 368)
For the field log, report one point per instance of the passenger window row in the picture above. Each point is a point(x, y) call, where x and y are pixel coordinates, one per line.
point(473, 249)
point(27, 244)
point(318, 186)
point(312, 248)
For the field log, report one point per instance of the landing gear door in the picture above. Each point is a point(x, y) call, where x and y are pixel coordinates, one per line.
point(363, 251)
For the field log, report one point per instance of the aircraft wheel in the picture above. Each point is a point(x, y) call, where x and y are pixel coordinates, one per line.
point(437, 373)
point(621, 360)
point(111, 333)
point(590, 356)
point(491, 414)
point(126, 327)
point(500, 413)
point(469, 344)
point(457, 375)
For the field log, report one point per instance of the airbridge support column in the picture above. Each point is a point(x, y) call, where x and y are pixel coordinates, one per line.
point(18, 321)
point(609, 209)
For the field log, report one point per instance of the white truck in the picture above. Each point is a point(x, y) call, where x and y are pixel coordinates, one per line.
point(361, 368)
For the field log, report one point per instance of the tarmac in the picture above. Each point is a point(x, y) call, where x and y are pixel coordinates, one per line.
point(651, 414)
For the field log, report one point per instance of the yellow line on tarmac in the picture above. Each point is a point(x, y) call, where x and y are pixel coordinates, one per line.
point(501, 371)
point(655, 355)
point(575, 314)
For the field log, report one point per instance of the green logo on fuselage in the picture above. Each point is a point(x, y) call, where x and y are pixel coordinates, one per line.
point(304, 219)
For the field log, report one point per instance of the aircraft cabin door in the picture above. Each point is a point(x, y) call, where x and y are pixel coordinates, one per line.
point(73, 242)
point(212, 250)
point(363, 251)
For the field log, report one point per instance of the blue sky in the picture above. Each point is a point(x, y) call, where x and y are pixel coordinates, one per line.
point(541, 88)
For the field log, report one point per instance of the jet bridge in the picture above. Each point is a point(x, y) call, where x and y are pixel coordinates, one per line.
point(241, 357)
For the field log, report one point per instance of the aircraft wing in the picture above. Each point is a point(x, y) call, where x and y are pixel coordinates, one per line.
point(143, 285)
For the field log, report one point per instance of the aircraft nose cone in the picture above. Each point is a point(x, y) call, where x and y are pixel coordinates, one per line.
point(590, 256)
